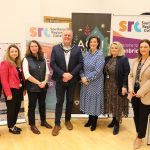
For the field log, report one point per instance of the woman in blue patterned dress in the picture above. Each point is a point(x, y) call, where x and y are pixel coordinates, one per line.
point(91, 94)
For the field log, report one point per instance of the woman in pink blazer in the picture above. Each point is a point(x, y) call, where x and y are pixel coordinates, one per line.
point(139, 90)
point(13, 85)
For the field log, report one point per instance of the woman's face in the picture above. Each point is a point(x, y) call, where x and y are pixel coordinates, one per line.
point(114, 50)
point(144, 49)
point(13, 52)
point(34, 48)
point(93, 44)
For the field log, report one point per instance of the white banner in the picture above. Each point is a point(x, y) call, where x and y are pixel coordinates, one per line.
point(129, 30)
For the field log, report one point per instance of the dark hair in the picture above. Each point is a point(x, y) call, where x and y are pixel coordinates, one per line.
point(142, 41)
point(94, 37)
point(40, 53)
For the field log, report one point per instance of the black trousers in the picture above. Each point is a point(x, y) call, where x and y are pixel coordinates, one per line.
point(13, 106)
point(33, 98)
point(60, 95)
point(141, 113)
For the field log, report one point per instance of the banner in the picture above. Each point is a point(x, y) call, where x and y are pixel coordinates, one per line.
point(3, 108)
point(84, 26)
point(48, 35)
point(129, 30)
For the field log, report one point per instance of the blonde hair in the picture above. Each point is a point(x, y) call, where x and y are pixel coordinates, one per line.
point(120, 48)
point(9, 59)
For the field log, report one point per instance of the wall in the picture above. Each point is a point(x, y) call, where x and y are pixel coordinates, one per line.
point(66, 7)
point(15, 14)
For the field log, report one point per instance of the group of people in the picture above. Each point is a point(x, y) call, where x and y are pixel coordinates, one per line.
point(105, 83)
point(17, 77)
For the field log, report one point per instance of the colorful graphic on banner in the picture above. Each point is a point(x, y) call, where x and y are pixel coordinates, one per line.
point(3, 108)
point(129, 30)
point(48, 35)
point(84, 26)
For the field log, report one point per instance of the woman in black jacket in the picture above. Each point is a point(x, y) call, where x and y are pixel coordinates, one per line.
point(116, 72)
point(36, 73)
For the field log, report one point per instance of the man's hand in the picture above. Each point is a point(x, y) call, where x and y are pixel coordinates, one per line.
point(67, 76)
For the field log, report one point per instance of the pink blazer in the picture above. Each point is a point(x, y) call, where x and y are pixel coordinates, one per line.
point(9, 77)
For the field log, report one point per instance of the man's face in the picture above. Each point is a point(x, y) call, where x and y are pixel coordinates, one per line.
point(67, 37)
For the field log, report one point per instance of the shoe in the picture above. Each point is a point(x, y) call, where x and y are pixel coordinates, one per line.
point(111, 125)
point(94, 123)
point(14, 131)
point(137, 143)
point(35, 130)
point(93, 128)
point(116, 129)
point(17, 128)
point(55, 130)
point(89, 123)
point(69, 125)
point(45, 124)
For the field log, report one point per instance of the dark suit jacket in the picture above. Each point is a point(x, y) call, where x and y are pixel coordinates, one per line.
point(58, 63)
point(121, 72)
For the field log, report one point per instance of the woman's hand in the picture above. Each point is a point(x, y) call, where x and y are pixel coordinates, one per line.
point(137, 95)
point(84, 80)
point(132, 93)
point(124, 91)
point(41, 85)
point(9, 98)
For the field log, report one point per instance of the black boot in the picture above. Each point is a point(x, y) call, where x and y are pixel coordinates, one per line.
point(88, 124)
point(94, 123)
point(116, 128)
point(112, 123)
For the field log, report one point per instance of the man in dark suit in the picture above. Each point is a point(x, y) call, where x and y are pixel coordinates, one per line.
point(66, 62)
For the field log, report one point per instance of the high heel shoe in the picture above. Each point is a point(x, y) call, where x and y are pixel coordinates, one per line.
point(137, 143)
point(89, 123)
point(111, 125)
point(14, 130)
point(17, 128)
point(116, 129)
point(94, 123)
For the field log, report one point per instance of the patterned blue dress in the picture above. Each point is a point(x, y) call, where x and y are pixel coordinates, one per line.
point(92, 95)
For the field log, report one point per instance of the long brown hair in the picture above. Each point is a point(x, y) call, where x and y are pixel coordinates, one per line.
point(143, 41)
point(9, 59)
point(40, 53)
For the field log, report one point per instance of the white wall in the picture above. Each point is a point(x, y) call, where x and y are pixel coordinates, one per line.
point(64, 8)
point(13, 17)
point(15, 14)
